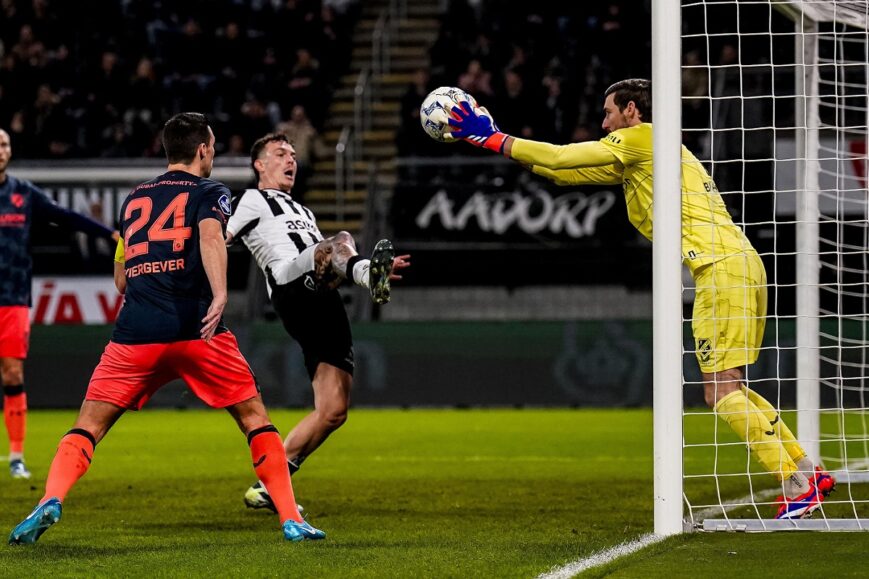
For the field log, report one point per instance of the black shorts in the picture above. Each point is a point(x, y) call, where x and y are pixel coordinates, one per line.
point(318, 321)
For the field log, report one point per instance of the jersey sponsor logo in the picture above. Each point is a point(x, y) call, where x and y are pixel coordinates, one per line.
point(614, 139)
point(17, 200)
point(12, 220)
point(297, 224)
point(155, 267)
point(167, 182)
point(224, 204)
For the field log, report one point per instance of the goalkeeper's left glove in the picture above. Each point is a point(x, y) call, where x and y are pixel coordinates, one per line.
point(478, 129)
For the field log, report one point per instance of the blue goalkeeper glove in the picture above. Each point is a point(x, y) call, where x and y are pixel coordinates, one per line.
point(478, 129)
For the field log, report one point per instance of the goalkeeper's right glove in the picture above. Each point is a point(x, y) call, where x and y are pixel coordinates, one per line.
point(476, 128)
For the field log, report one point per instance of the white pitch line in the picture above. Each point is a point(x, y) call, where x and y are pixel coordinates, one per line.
point(601, 557)
point(609, 555)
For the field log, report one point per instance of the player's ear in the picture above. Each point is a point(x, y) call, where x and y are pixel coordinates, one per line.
point(259, 165)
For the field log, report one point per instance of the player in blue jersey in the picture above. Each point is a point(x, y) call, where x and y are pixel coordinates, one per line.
point(174, 281)
point(20, 204)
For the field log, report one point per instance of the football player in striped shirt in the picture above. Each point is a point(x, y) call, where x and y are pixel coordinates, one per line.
point(303, 270)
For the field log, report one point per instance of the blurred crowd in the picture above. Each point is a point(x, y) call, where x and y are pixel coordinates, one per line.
point(540, 67)
point(94, 78)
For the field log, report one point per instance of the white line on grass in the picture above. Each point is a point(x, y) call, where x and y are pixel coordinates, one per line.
point(609, 555)
point(601, 557)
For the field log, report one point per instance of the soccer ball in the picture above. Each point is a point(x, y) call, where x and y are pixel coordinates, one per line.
point(434, 113)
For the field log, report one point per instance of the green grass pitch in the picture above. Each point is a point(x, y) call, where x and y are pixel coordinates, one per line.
point(401, 493)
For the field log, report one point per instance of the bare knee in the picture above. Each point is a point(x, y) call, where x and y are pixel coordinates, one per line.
point(250, 415)
point(344, 238)
point(720, 384)
point(12, 372)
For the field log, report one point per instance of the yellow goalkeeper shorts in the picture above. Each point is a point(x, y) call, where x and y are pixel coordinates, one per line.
point(729, 312)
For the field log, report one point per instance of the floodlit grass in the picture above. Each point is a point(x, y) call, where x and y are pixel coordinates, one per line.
point(425, 493)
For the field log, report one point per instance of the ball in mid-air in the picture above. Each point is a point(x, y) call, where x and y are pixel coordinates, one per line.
point(434, 113)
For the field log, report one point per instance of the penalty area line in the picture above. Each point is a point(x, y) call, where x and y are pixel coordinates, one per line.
point(601, 557)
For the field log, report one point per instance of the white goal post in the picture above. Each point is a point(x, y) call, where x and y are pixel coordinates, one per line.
point(773, 97)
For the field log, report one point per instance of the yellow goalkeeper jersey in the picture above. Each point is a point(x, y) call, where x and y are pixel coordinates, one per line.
point(708, 231)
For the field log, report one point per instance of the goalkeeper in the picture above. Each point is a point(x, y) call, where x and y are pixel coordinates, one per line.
point(731, 295)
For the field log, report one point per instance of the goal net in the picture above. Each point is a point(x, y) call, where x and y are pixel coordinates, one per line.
point(774, 103)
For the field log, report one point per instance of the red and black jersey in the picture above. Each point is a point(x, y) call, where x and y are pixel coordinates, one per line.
point(20, 203)
point(168, 292)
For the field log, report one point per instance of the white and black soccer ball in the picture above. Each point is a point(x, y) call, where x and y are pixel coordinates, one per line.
point(434, 113)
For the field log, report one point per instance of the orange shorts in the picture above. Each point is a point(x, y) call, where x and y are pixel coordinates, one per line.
point(14, 331)
point(216, 372)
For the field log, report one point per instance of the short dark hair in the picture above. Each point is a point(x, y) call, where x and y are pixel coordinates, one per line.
point(182, 135)
point(638, 90)
point(257, 149)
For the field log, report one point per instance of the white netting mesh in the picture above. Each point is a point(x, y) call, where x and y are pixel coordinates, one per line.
point(775, 103)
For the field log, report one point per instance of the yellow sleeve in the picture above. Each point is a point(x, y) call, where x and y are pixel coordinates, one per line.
point(606, 175)
point(573, 156)
point(119, 251)
point(630, 146)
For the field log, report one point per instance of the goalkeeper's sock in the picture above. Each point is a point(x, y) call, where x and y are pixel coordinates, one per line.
point(270, 464)
point(788, 440)
point(806, 465)
point(15, 416)
point(73, 458)
point(750, 423)
point(795, 485)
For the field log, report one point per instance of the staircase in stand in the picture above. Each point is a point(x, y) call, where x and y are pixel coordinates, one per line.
point(410, 45)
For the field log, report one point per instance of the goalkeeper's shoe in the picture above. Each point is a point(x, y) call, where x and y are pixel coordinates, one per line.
point(18, 470)
point(824, 481)
point(379, 271)
point(296, 532)
point(37, 522)
point(802, 506)
point(257, 497)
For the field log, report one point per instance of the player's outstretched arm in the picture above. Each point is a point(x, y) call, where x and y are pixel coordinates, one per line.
point(46, 208)
point(478, 128)
point(213, 249)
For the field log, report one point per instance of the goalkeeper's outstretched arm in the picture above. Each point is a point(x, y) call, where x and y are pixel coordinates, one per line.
point(607, 175)
point(586, 162)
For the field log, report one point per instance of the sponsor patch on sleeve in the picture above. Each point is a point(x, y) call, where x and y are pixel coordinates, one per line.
point(224, 204)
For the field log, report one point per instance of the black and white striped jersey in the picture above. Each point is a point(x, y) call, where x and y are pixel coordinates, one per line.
point(274, 228)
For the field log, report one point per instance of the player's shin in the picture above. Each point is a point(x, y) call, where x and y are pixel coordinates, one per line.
point(751, 424)
point(73, 458)
point(270, 464)
point(788, 440)
point(15, 416)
